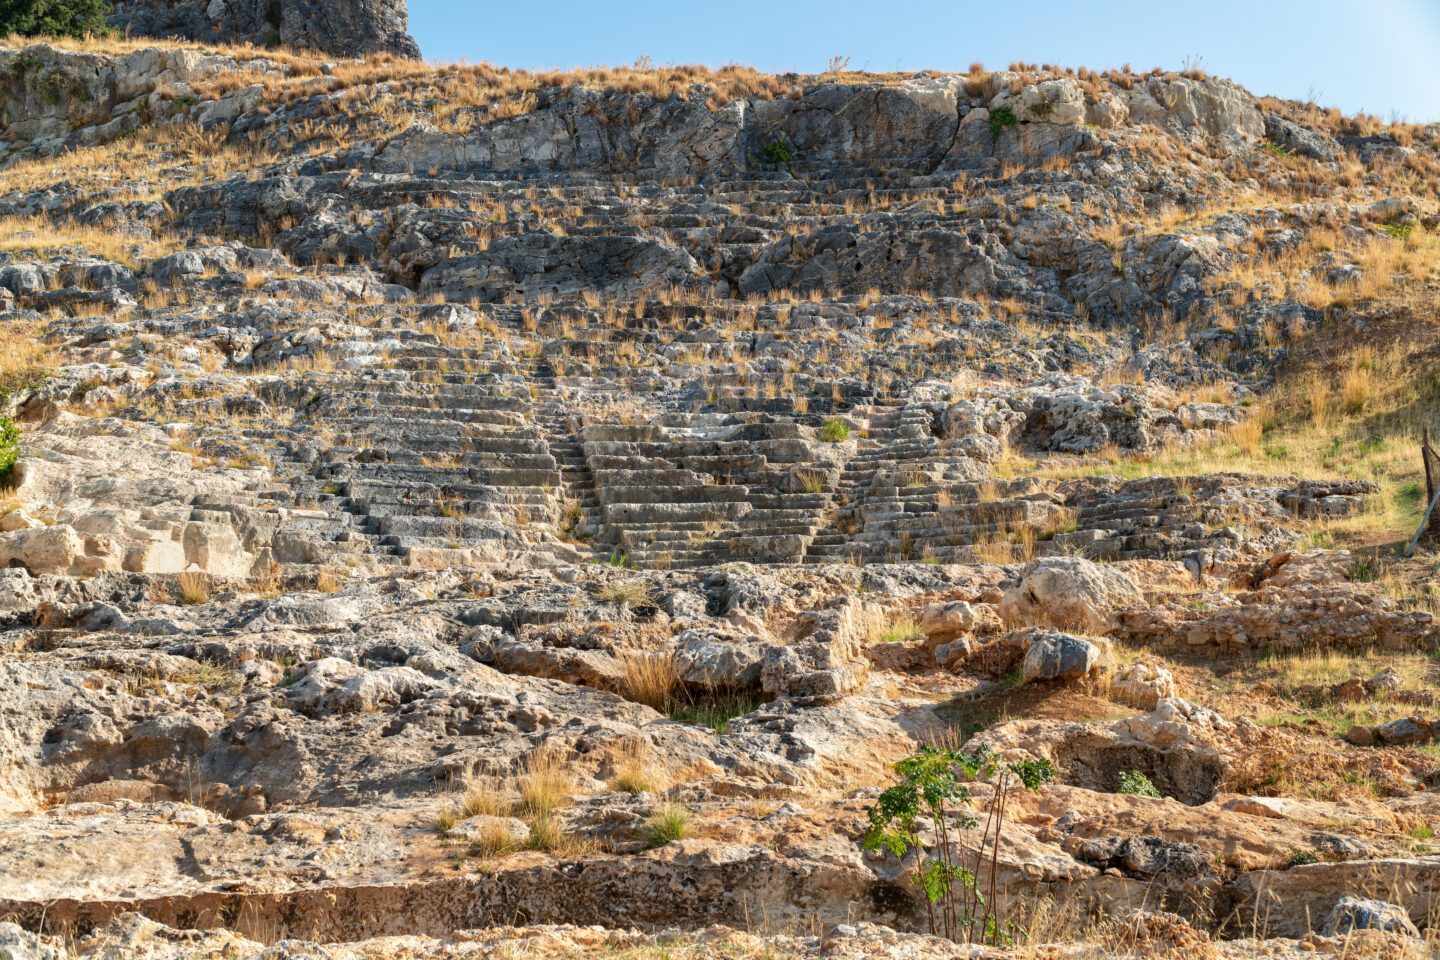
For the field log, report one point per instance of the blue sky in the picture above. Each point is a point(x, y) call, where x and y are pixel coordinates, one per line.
point(1380, 56)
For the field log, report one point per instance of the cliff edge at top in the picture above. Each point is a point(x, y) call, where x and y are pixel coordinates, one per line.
point(348, 28)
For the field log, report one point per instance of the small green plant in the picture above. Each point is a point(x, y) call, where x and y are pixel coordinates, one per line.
point(1299, 858)
point(667, 823)
point(618, 560)
point(1000, 118)
point(715, 712)
point(1276, 149)
point(1133, 783)
point(9, 447)
point(1366, 569)
point(777, 151)
point(934, 786)
point(835, 430)
point(1398, 231)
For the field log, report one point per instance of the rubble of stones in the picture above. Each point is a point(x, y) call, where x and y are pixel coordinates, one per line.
point(376, 470)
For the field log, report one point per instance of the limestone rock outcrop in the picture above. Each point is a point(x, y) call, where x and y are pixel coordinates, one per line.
point(347, 28)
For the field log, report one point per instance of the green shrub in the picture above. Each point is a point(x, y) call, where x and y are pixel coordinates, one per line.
point(56, 18)
point(9, 447)
point(835, 430)
point(777, 151)
point(933, 798)
point(666, 824)
point(1000, 118)
point(1136, 784)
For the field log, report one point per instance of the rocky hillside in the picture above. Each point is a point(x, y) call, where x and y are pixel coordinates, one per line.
point(465, 512)
point(345, 28)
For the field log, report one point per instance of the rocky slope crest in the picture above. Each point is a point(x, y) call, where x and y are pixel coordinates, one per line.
point(346, 28)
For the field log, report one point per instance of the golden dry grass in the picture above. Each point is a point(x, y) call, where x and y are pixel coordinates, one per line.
point(546, 784)
point(635, 770)
point(649, 677)
point(192, 588)
point(172, 156)
point(1374, 436)
point(893, 627)
point(24, 356)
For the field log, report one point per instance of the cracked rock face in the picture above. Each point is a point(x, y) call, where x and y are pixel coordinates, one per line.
point(346, 28)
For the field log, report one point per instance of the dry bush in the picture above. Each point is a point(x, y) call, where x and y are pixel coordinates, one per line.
point(481, 798)
point(887, 627)
point(493, 839)
point(649, 677)
point(634, 772)
point(24, 357)
point(269, 581)
point(625, 593)
point(1317, 401)
point(545, 784)
point(996, 549)
point(329, 580)
point(192, 588)
point(1247, 434)
point(1356, 388)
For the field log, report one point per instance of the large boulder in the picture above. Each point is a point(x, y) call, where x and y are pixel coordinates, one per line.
point(1059, 656)
point(1356, 913)
point(1143, 685)
point(1070, 593)
point(942, 622)
point(541, 263)
point(42, 550)
point(1300, 140)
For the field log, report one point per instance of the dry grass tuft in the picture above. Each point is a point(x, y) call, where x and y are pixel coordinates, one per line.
point(649, 677)
point(493, 839)
point(1247, 435)
point(329, 580)
point(634, 770)
point(625, 593)
point(1358, 384)
point(545, 784)
point(894, 628)
point(192, 588)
